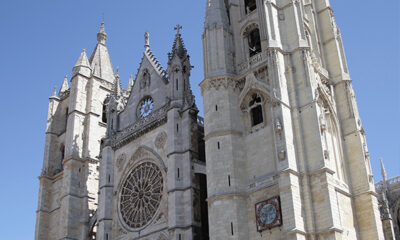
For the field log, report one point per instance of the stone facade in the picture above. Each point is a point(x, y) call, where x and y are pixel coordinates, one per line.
point(285, 148)
point(389, 204)
point(281, 122)
point(69, 179)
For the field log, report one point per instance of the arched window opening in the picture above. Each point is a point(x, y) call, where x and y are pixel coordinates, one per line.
point(104, 113)
point(66, 118)
point(250, 5)
point(256, 112)
point(62, 151)
point(254, 42)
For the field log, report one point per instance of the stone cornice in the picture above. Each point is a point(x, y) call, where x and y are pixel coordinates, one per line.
point(222, 133)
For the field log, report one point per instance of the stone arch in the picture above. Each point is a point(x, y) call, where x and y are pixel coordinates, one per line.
point(252, 38)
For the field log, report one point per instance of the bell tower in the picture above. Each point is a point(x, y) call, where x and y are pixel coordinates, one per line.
point(76, 123)
point(286, 151)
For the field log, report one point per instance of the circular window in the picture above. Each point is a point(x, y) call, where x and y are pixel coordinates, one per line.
point(141, 195)
point(146, 106)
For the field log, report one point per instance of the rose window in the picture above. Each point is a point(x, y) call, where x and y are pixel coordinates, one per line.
point(141, 195)
point(145, 107)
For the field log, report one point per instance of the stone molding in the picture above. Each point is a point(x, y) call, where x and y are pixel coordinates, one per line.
point(140, 127)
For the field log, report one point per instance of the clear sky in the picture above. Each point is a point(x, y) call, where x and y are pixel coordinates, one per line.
point(40, 42)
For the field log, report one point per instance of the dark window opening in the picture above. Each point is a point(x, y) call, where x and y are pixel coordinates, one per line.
point(254, 42)
point(177, 128)
point(176, 84)
point(256, 115)
point(104, 113)
point(62, 150)
point(178, 173)
point(66, 118)
point(232, 228)
point(256, 112)
point(216, 107)
point(218, 145)
point(229, 180)
point(203, 231)
point(250, 5)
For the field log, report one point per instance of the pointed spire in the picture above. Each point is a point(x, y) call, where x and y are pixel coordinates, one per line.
point(100, 61)
point(102, 35)
point(64, 86)
point(178, 47)
point(82, 65)
point(117, 85)
point(216, 14)
point(146, 40)
point(383, 171)
point(82, 60)
point(130, 83)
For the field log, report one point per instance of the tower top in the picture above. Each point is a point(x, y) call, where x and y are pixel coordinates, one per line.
point(178, 47)
point(178, 28)
point(102, 35)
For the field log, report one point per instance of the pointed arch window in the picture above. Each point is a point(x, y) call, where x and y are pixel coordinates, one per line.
point(254, 42)
point(249, 6)
point(256, 111)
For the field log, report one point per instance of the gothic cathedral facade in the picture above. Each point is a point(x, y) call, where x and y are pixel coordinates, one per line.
point(281, 152)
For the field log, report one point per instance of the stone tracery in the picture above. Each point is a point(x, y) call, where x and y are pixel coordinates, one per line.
point(141, 195)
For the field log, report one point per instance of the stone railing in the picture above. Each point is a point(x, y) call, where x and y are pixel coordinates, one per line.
point(393, 180)
point(389, 182)
point(252, 62)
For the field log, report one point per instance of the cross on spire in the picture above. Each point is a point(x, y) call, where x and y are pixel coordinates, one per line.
point(178, 28)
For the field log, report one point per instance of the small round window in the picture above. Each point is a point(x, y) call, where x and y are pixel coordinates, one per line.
point(145, 106)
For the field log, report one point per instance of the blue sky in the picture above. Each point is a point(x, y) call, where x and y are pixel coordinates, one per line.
point(41, 40)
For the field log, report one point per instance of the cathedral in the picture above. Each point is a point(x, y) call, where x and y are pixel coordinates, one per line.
point(280, 154)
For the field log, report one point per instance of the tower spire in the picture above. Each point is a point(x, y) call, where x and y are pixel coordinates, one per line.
point(178, 47)
point(64, 86)
point(102, 35)
point(117, 85)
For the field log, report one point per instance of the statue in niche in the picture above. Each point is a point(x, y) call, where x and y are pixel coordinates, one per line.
point(145, 81)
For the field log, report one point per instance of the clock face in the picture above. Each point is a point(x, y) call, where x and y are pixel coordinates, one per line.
point(146, 106)
point(268, 214)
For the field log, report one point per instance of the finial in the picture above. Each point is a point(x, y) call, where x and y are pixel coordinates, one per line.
point(117, 72)
point(178, 28)
point(84, 50)
point(146, 40)
point(55, 92)
point(383, 170)
point(102, 35)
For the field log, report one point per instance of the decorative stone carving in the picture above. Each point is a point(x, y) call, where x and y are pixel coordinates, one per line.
point(120, 162)
point(140, 127)
point(282, 155)
point(141, 195)
point(160, 140)
point(278, 126)
point(222, 82)
point(145, 80)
